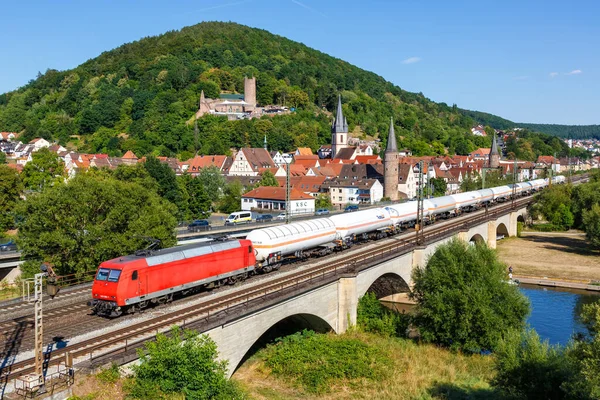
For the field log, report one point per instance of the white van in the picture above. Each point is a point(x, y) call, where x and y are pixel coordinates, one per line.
point(240, 217)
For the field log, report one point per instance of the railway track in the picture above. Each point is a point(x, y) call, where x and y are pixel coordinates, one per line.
point(200, 315)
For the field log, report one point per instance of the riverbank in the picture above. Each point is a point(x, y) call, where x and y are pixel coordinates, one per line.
point(417, 371)
point(564, 258)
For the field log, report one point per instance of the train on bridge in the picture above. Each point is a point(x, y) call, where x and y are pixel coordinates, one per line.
point(130, 283)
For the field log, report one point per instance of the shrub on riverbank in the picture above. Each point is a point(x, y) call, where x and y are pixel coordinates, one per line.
point(314, 361)
point(373, 317)
point(463, 299)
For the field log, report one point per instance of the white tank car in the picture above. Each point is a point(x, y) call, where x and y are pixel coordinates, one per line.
point(501, 192)
point(537, 184)
point(403, 212)
point(559, 179)
point(356, 223)
point(467, 199)
point(526, 187)
point(486, 195)
point(518, 189)
point(441, 205)
point(289, 238)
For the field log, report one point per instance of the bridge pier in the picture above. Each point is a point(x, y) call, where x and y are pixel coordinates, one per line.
point(491, 235)
point(347, 303)
point(512, 228)
point(418, 257)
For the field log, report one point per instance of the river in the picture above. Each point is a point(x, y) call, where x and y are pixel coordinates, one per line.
point(555, 311)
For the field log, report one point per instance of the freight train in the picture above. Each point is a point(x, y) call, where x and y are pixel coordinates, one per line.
point(131, 283)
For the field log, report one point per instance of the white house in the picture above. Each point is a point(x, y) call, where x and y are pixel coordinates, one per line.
point(278, 158)
point(39, 143)
point(407, 181)
point(248, 162)
point(351, 191)
point(273, 199)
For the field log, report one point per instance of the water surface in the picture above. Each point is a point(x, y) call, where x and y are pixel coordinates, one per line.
point(555, 311)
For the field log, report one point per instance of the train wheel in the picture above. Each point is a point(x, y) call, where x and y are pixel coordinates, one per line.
point(277, 266)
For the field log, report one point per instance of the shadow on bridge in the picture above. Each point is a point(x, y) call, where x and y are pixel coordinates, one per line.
point(285, 327)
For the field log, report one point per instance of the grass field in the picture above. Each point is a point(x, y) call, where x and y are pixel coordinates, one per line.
point(558, 255)
point(417, 372)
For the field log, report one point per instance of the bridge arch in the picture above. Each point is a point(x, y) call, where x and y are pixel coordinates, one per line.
point(502, 230)
point(284, 327)
point(387, 284)
point(477, 238)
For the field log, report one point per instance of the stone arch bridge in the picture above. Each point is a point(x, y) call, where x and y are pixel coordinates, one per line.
point(332, 306)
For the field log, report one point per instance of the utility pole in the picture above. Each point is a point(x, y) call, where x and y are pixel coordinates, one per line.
point(514, 186)
point(420, 200)
point(287, 192)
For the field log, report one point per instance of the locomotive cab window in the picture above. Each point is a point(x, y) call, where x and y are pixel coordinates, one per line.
point(249, 250)
point(113, 275)
point(134, 276)
point(102, 274)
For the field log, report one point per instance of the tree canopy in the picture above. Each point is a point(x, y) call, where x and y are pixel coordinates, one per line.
point(91, 219)
point(463, 299)
point(11, 189)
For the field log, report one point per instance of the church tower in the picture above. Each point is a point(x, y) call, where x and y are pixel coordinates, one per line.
point(390, 163)
point(339, 130)
point(494, 160)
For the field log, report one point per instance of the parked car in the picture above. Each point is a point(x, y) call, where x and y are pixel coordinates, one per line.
point(8, 246)
point(240, 217)
point(322, 211)
point(280, 217)
point(199, 225)
point(264, 218)
point(351, 207)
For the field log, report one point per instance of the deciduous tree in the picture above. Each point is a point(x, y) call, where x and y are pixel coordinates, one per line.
point(11, 189)
point(90, 219)
point(463, 299)
point(45, 169)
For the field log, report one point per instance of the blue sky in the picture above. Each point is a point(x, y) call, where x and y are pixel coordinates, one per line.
point(527, 60)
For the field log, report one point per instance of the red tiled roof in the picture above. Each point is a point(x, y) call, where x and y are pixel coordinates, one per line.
point(374, 159)
point(305, 151)
point(129, 155)
point(199, 162)
point(276, 193)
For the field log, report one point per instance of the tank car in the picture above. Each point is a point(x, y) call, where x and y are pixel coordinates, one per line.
point(132, 282)
point(403, 214)
point(558, 179)
point(272, 244)
point(372, 221)
point(467, 201)
point(501, 193)
point(486, 195)
point(442, 206)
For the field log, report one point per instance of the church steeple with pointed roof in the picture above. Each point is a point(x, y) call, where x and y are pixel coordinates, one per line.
point(339, 130)
point(494, 159)
point(390, 165)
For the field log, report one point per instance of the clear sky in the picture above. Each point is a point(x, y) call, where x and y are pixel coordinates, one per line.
point(525, 60)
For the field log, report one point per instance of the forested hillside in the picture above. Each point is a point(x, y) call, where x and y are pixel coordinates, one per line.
point(141, 96)
point(563, 131)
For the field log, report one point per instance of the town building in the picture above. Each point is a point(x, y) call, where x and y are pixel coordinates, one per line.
point(407, 183)
point(352, 191)
point(232, 105)
point(269, 198)
point(248, 161)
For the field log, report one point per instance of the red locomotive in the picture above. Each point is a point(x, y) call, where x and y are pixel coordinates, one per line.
point(130, 283)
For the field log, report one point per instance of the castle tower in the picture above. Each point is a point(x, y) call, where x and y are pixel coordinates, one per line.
point(250, 93)
point(390, 163)
point(339, 130)
point(203, 107)
point(494, 160)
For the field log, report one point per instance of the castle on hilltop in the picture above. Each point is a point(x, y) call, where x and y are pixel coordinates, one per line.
point(234, 106)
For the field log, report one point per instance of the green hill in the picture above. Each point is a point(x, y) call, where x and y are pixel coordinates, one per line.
point(140, 95)
point(563, 131)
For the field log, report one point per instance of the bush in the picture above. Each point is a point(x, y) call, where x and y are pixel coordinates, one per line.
point(110, 375)
point(373, 317)
point(530, 368)
point(463, 299)
point(519, 228)
point(315, 361)
point(182, 363)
